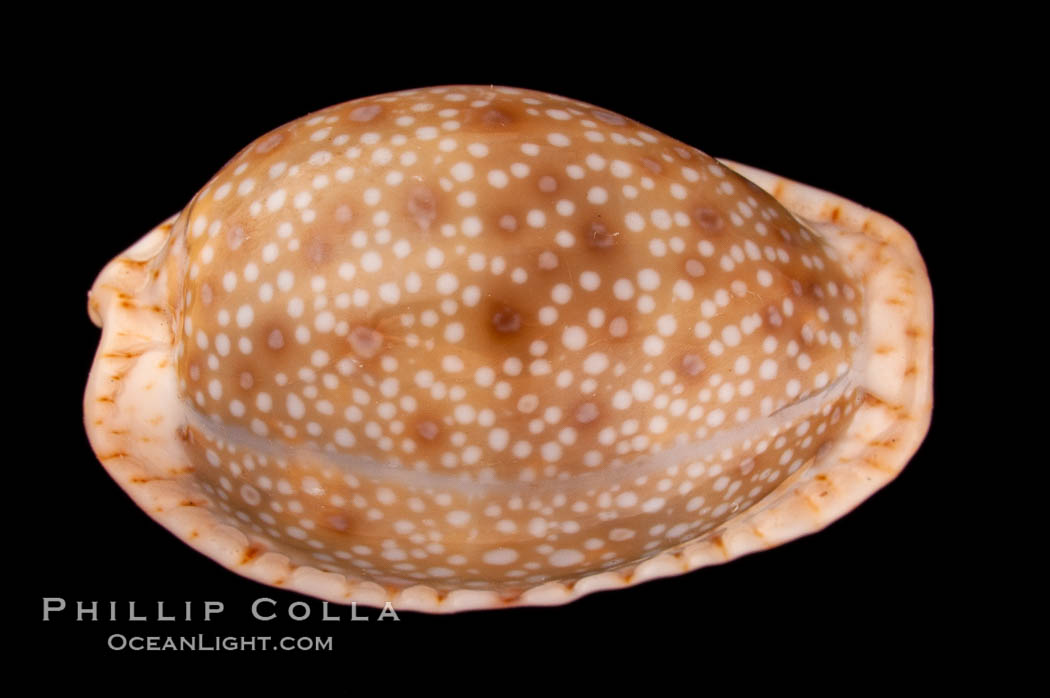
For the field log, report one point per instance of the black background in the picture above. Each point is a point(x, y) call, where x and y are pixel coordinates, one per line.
point(122, 136)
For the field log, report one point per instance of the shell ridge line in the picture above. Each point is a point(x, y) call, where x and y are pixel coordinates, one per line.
point(369, 467)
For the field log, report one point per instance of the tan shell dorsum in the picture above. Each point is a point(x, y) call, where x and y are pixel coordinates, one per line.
point(480, 347)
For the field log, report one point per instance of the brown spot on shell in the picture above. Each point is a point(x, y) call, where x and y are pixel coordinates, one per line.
point(506, 320)
point(422, 206)
point(708, 218)
point(275, 339)
point(365, 113)
point(773, 316)
point(496, 117)
point(317, 252)
point(268, 143)
point(652, 165)
point(694, 267)
point(692, 365)
point(599, 236)
point(365, 341)
point(235, 236)
point(508, 222)
point(336, 522)
point(344, 214)
point(428, 430)
point(250, 553)
point(587, 412)
point(609, 117)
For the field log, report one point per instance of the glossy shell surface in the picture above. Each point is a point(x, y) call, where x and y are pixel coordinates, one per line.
point(475, 347)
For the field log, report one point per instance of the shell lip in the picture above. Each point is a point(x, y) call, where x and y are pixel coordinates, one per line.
point(886, 431)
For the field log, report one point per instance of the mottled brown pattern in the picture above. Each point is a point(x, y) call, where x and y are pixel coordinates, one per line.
point(477, 338)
